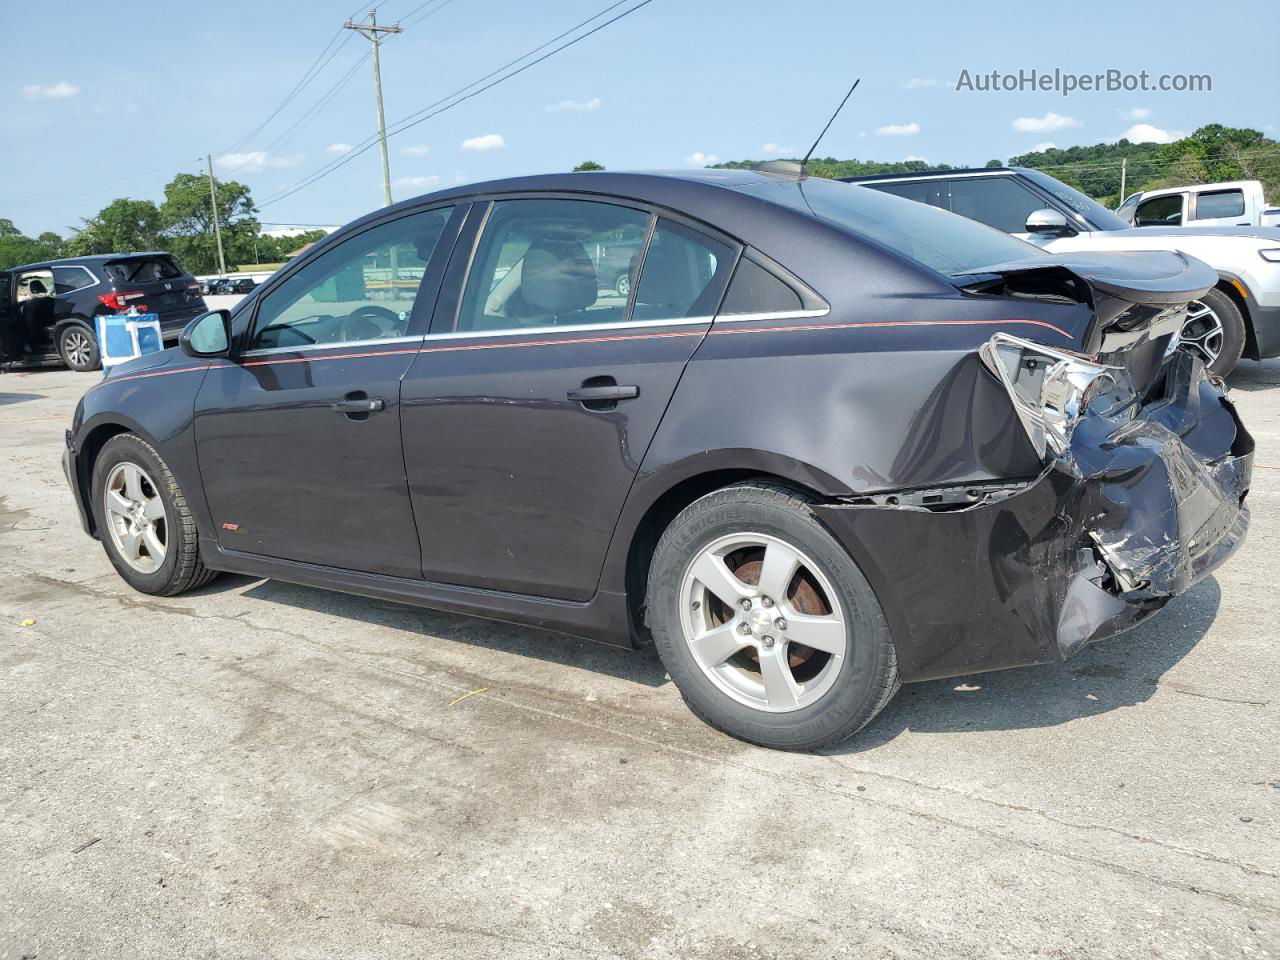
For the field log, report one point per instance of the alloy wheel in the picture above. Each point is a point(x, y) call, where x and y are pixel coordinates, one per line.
point(78, 347)
point(135, 517)
point(763, 622)
point(1202, 332)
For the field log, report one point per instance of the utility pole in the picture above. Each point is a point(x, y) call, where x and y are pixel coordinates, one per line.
point(372, 30)
point(217, 229)
point(1124, 169)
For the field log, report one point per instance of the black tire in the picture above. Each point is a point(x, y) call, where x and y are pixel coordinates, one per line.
point(1233, 332)
point(868, 675)
point(622, 285)
point(182, 569)
point(78, 348)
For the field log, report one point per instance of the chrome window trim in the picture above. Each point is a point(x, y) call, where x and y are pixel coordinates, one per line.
point(568, 328)
point(376, 341)
point(776, 315)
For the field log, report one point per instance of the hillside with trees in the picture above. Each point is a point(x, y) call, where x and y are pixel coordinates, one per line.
point(1210, 154)
point(181, 224)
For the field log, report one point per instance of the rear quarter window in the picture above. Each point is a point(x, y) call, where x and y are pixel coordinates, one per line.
point(754, 289)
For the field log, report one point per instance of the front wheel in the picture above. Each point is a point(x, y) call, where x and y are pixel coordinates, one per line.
point(78, 348)
point(1214, 332)
point(764, 622)
point(143, 519)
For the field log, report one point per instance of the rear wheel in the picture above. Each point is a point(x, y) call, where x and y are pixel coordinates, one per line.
point(623, 284)
point(78, 348)
point(764, 622)
point(142, 516)
point(1214, 332)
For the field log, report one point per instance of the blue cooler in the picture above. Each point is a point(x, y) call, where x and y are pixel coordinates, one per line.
point(123, 336)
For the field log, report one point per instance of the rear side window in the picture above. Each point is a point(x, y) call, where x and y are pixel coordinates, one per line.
point(68, 279)
point(999, 202)
point(683, 274)
point(142, 269)
point(1220, 203)
point(755, 290)
point(918, 191)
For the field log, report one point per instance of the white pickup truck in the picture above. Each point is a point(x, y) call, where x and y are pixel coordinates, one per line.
point(1239, 317)
point(1232, 203)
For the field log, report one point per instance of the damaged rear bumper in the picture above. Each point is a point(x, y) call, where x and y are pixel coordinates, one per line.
point(1126, 518)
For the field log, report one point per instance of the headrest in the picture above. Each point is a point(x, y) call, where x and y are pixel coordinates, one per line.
point(557, 277)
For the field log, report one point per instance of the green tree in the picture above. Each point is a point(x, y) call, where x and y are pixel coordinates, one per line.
point(187, 217)
point(122, 225)
point(17, 249)
point(587, 165)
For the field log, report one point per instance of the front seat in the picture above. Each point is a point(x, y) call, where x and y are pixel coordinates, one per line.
point(557, 278)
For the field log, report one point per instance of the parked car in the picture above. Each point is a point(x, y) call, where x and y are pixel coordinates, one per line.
point(242, 285)
point(832, 442)
point(1239, 317)
point(1233, 203)
point(47, 309)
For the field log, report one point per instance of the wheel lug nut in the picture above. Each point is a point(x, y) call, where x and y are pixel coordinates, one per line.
point(767, 642)
point(744, 628)
point(780, 624)
point(746, 603)
point(766, 602)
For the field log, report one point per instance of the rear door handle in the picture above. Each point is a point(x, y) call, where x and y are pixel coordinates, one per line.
point(354, 406)
point(606, 393)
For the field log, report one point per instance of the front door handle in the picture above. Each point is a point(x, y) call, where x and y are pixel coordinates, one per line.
point(604, 393)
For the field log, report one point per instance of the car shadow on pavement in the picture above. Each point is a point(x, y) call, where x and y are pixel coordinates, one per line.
point(641, 666)
point(1252, 375)
point(7, 398)
point(1110, 675)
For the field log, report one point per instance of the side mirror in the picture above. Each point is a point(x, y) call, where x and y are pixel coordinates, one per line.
point(208, 335)
point(1049, 222)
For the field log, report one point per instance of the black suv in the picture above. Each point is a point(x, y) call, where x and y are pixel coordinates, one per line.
point(47, 309)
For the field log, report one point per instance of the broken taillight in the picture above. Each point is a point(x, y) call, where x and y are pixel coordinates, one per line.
point(1050, 389)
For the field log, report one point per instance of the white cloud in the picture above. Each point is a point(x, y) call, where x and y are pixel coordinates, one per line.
point(418, 151)
point(911, 156)
point(777, 149)
point(1137, 113)
point(255, 161)
point(416, 183)
point(920, 83)
point(1047, 145)
point(700, 159)
point(489, 141)
point(50, 91)
point(573, 106)
point(1047, 124)
point(338, 149)
point(1146, 133)
point(898, 130)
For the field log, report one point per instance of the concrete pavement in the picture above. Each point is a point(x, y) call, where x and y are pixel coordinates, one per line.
point(264, 770)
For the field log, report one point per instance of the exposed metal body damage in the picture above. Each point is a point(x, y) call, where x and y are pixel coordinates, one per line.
point(1140, 505)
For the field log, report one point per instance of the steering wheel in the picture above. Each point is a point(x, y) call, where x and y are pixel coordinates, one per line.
point(369, 322)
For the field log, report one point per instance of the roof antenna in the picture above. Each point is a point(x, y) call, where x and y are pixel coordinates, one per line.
point(801, 169)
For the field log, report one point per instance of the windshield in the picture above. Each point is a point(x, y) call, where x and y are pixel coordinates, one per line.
point(944, 242)
point(1084, 207)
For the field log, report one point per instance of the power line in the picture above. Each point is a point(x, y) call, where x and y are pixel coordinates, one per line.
point(314, 110)
point(421, 116)
point(310, 74)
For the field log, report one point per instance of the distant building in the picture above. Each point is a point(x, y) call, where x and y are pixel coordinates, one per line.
point(293, 230)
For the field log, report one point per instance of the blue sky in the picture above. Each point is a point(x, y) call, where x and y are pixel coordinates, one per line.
point(100, 103)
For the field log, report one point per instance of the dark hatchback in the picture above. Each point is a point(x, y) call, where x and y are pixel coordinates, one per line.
point(831, 440)
point(47, 309)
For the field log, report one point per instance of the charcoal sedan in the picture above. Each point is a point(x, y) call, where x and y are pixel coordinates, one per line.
point(821, 442)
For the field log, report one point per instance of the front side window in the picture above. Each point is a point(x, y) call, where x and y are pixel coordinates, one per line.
point(552, 263)
point(999, 202)
point(683, 274)
point(362, 289)
point(1220, 203)
point(67, 279)
point(1163, 211)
